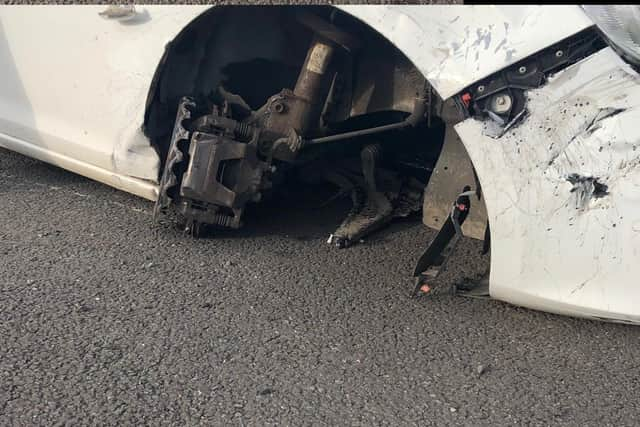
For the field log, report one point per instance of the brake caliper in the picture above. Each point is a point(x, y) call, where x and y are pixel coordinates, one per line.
point(212, 171)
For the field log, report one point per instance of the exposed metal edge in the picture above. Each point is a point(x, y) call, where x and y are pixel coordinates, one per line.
point(141, 188)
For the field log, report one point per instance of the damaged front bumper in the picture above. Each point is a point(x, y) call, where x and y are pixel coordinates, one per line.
point(562, 191)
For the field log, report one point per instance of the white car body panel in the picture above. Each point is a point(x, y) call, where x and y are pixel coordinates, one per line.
point(457, 45)
point(553, 248)
point(75, 85)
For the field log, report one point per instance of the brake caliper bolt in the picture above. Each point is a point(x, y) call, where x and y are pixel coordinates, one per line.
point(279, 107)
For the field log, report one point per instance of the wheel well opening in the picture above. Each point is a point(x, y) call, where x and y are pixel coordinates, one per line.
point(255, 52)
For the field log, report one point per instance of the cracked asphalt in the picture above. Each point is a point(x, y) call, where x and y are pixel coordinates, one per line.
point(106, 319)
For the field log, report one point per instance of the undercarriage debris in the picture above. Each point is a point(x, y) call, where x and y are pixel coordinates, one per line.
point(433, 260)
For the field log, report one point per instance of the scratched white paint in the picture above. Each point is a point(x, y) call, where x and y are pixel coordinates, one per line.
point(549, 251)
point(455, 45)
point(73, 87)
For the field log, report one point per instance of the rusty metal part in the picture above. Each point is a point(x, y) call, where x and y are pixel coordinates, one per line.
point(282, 112)
point(212, 171)
point(370, 212)
point(300, 109)
point(222, 160)
point(287, 147)
point(217, 123)
point(315, 67)
point(175, 164)
point(222, 171)
point(409, 200)
point(218, 164)
point(453, 171)
point(372, 208)
point(416, 116)
point(288, 115)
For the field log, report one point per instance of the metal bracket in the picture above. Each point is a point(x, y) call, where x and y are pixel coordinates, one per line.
point(501, 96)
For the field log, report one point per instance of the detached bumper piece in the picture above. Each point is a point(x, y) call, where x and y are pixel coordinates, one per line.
point(433, 260)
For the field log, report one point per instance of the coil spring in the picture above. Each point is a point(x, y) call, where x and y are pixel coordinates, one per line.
point(223, 220)
point(243, 130)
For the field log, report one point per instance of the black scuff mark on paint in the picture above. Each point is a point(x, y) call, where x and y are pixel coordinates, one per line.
point(579, 287)
point(582, 284)
point(604, 113)
point(487, 39)
point(592, 126)
point(586, 188)
point(482, 36)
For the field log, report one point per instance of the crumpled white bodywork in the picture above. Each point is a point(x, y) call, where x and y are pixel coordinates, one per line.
point(555, 245)
point(74, 87)
point(455, 46)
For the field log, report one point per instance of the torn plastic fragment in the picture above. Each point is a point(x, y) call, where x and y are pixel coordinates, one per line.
point(496, 128)
point(466, 99)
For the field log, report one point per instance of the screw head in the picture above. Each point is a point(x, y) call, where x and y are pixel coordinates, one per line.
point(279, 107)
point(501, 103)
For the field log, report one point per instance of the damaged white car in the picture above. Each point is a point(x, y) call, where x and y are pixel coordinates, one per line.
point(517, 125)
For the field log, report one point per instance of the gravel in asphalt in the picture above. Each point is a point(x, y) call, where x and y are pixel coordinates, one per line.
point(105, 319)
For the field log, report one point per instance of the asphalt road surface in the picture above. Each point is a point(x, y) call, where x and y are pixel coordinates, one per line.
point(105, 319)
